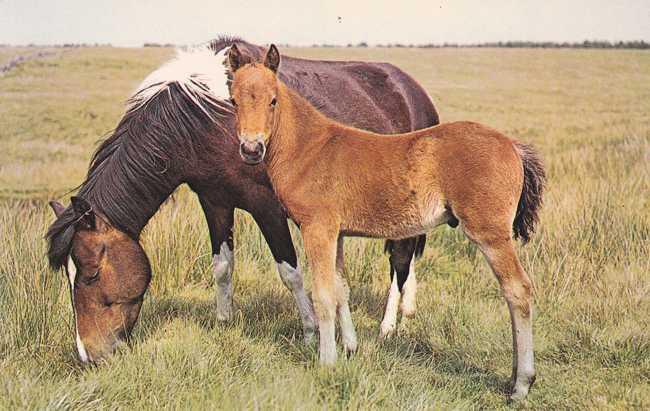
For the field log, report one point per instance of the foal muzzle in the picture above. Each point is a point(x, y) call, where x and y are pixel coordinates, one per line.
point(252, 152)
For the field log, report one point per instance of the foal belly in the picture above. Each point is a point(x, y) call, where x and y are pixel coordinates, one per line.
point(407, 220)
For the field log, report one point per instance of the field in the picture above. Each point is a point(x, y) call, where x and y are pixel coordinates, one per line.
point(587, 111)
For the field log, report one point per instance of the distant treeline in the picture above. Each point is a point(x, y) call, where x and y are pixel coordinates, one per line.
point(587, 44)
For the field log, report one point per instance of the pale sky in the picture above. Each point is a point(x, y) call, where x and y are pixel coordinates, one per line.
point(300, 22)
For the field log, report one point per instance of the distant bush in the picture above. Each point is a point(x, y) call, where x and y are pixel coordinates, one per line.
point(158, 45)
point(587, 44)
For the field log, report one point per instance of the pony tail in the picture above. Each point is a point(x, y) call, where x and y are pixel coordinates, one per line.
point(530, 200)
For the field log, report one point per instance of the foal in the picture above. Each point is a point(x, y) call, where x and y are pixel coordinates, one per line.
point(336, 180)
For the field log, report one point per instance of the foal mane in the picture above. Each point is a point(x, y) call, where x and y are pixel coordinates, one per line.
point(167, 126)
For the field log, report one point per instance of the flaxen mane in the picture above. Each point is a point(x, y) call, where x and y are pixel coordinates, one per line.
point(165, 128)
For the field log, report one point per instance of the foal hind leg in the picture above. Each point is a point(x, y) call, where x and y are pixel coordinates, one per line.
point(348, 333)
point(517, 291)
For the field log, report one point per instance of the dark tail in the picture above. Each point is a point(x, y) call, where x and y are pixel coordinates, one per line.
point(530, 201)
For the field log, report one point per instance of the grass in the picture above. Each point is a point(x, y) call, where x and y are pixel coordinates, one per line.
point(588, 112)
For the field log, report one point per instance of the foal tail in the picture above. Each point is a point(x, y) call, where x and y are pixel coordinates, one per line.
point(530, 201)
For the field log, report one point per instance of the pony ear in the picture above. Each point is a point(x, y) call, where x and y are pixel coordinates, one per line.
point(84, 214)
point(235, 59)
point(57, 207)
point(272, 59)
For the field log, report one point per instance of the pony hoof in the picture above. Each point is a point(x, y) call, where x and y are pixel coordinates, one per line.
point(310, 337)
point(224, 316)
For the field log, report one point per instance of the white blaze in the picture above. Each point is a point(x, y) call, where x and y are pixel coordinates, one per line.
point(72, 274)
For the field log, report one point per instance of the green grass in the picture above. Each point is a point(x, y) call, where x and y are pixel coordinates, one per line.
point(588, 112)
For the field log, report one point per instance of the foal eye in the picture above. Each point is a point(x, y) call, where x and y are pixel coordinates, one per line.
point(273, 102)
point(91, 279)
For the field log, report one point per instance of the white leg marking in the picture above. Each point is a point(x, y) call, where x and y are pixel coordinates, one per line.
point(222, 268)
point(407, 307)
point(292, 279)
point(72, 274)
point(390, 316)
point(327, 343)
point(522, 329)
point(348, 333)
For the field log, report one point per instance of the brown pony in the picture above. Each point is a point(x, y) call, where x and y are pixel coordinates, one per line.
point(337, 181)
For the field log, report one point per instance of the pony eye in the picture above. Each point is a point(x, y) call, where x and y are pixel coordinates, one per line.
point(273, 102)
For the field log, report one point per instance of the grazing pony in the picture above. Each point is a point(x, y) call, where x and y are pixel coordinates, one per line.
point(179, 128)
point(337, 181)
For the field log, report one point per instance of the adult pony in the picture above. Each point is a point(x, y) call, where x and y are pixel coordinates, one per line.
point(335, 181)
point(179, 128)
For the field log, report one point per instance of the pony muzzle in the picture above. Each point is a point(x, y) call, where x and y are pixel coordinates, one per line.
point(252, 151)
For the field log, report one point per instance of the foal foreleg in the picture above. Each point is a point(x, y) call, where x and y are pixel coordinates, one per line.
point(276, 232)
point(320, 241)
point(348, 333)
point(516, 288)
point(220, 223)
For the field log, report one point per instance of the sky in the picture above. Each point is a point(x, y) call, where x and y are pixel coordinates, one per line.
point(301, 22)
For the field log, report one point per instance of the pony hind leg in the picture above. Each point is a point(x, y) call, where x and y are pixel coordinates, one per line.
point(403, 288)
point(516, 288)
point(348, 332)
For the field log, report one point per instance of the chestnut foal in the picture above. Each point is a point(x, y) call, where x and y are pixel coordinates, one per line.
point(336, 180)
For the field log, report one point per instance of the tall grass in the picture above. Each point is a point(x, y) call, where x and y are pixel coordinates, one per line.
point(588, 112)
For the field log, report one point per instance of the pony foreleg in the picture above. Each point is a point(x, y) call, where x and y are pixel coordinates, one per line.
point(275, 230)
point(348, 333)
point(220, 222)
point(320, 243)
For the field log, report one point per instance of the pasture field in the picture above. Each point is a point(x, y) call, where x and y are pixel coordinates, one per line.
point(587, 111)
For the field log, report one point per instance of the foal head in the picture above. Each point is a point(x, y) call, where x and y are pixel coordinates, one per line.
point(253, 92)
point(108, 273)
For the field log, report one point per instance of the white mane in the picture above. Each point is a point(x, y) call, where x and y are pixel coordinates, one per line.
point(198, 71)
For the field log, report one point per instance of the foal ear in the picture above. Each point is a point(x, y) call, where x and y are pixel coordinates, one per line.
point(235, 59)
point(57, 207)
point(84, 213)
point(272, 59)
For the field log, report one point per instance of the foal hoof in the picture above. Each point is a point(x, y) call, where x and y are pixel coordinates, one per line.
point(521, 388)
point(386, 331)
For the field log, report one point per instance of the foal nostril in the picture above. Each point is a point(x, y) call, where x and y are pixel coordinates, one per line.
point(252, 148)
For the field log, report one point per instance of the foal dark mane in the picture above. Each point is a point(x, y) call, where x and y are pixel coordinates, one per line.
point(143, 160)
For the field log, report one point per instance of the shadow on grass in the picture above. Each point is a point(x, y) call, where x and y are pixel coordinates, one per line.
point(269, 316)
